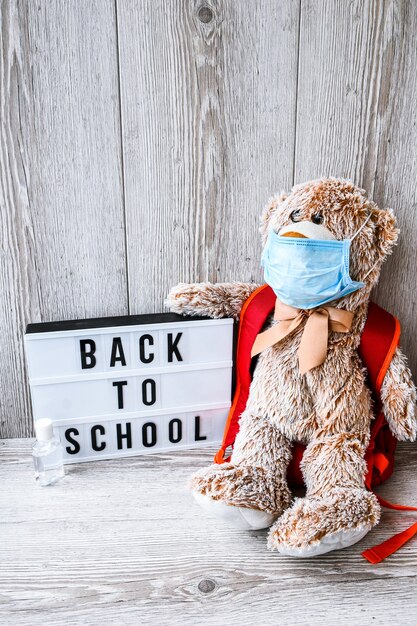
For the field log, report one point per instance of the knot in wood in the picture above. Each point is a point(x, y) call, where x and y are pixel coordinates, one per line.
point(205, 14)
point(206, 585)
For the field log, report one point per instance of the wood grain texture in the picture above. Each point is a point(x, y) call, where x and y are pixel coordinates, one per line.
point(191, 113)
point(208, 105)
point(356, 118)
point(62, 230)
point(123, 542)
point(340, 68)
point(394, 183)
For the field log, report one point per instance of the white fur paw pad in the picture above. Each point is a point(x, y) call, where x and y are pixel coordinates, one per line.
point(333, 541)
point(237, 516)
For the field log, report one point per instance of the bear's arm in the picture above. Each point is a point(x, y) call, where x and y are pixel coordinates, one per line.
point(211, 299)
point(398, 395)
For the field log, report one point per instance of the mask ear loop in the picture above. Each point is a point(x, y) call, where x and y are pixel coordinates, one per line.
point(363, 226)
point(367, 273)
point(355, 235)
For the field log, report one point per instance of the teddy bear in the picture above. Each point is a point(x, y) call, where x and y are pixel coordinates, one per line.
point(323, 247)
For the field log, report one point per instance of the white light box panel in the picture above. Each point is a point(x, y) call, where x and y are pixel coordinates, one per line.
point(129, 385)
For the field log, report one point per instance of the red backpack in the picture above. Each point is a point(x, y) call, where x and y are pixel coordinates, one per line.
point(379, 340)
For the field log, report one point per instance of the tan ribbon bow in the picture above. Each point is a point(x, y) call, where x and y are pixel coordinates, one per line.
point(313, 345)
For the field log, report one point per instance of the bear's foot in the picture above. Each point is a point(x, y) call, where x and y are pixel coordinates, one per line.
point(247, 497)
point(237, 516)
point(317, 525)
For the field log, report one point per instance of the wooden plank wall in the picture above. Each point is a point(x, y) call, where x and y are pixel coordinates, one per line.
point(140, 140)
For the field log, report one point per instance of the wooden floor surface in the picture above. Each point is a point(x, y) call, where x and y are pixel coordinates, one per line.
point(122, 542)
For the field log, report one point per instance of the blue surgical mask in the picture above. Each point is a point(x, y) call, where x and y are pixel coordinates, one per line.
point(307, 273)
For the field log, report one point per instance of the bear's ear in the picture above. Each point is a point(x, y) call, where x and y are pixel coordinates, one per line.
point(386, 231)
point(269, 210)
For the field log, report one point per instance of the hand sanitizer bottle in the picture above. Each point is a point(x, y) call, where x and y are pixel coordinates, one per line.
point(47, 454)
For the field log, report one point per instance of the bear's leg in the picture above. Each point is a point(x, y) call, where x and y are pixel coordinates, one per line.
point(337, 510)
point(251, 491)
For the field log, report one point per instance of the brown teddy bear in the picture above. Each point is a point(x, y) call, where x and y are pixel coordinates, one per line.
point(324, 245)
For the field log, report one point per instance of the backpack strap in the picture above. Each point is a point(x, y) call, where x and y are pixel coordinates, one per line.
point(386, 548)
point(252, 317)
point(379, 341)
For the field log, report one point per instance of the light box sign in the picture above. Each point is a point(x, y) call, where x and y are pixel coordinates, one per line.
point(131, 385)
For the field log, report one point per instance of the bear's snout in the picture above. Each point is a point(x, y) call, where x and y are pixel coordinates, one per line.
point(306, 230)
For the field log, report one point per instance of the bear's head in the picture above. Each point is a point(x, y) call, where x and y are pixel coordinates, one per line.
point(331, 208)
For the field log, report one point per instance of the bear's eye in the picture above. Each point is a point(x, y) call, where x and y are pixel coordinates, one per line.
point(317, 218)
point(295, 216)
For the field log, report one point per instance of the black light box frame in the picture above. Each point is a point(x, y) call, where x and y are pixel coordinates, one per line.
point(129, 385)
